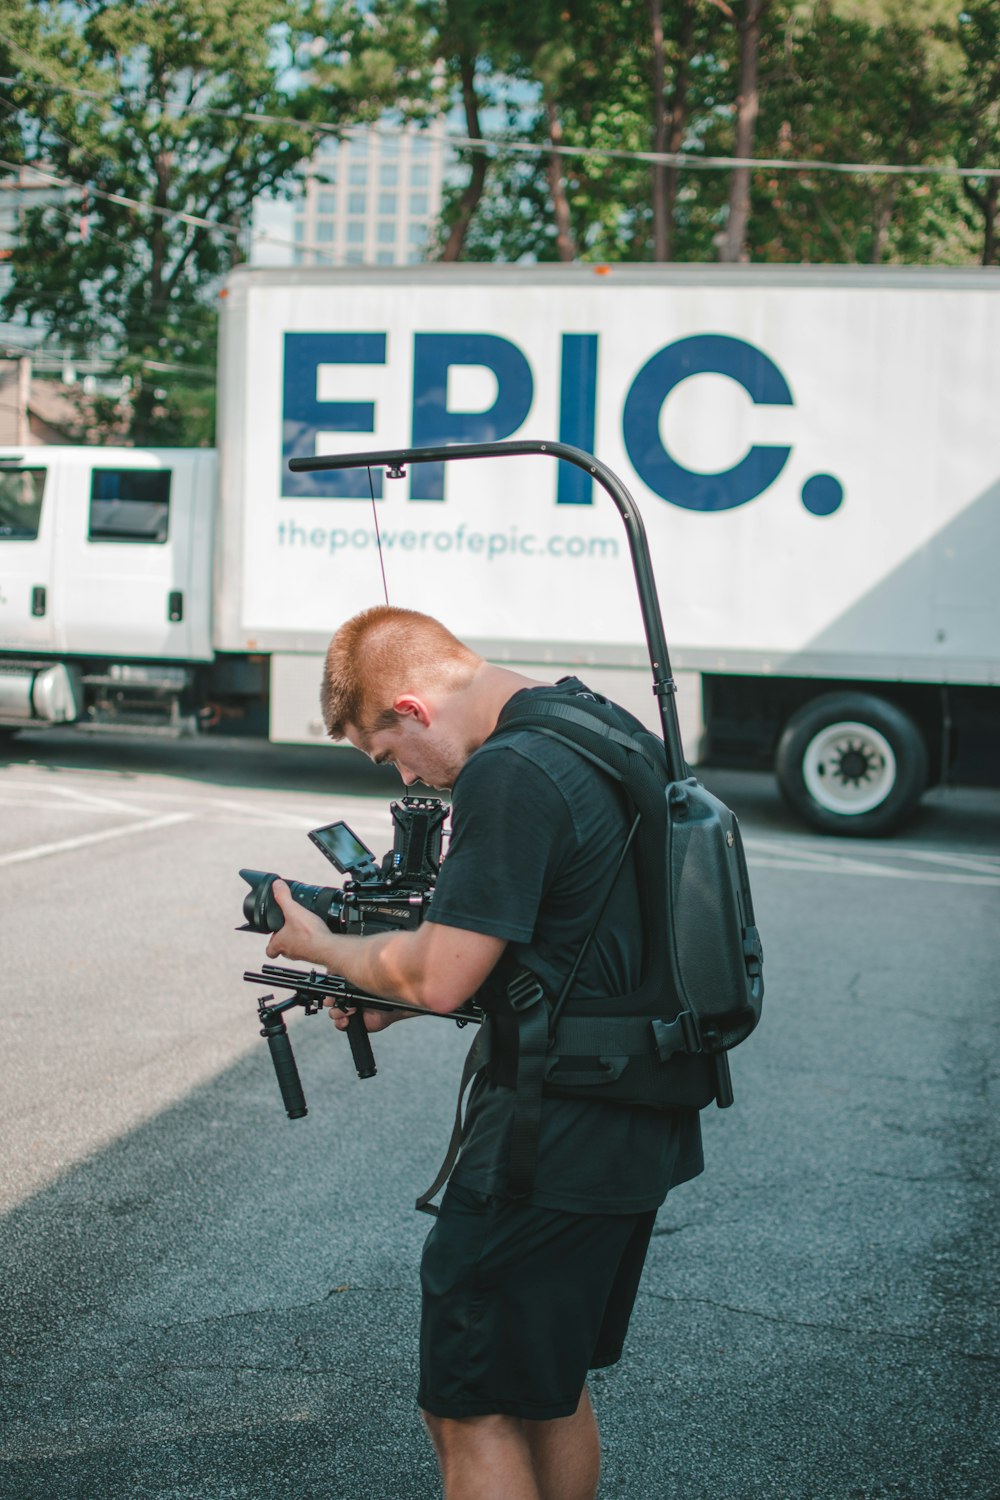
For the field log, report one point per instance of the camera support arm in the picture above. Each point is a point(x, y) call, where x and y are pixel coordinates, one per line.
point(663, 683)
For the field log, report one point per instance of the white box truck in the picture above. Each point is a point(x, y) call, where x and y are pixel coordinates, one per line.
point(815, 452)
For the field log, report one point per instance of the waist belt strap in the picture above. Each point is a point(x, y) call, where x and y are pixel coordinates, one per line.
point(625, 1036)
point(478, 1057)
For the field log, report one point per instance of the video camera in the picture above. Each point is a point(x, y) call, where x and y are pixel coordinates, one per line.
point(393, 895)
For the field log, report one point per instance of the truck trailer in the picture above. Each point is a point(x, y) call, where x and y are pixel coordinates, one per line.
point(814, 451)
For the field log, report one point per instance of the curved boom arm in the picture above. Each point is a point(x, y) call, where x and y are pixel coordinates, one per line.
point(663, 683)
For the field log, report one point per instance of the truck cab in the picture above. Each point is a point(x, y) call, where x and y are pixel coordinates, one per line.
point(105, 583)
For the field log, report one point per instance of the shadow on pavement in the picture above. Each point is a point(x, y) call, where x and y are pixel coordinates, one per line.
point(219, 761)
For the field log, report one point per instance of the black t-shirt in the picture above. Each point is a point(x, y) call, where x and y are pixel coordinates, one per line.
point(536, 834)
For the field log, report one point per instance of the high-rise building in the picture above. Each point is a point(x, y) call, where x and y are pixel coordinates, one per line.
point(373, 198)
point(21, 189)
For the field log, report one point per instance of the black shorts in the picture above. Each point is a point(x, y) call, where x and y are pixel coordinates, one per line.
point(520, 1302)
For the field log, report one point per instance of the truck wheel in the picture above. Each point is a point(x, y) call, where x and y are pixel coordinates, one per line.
point(851, 763)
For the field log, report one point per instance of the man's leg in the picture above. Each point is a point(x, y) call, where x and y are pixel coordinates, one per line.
point(483, 1458)
point(507, 1458)
point(566, 1454)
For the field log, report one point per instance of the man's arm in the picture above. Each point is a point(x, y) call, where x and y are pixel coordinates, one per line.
point(434, 966)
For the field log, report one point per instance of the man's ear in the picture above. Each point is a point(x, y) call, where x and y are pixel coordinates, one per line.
point(409, 706)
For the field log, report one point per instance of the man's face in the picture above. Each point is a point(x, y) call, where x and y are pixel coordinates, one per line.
point(420, 751)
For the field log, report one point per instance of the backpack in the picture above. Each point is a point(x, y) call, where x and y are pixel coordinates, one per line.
point(663, 1046)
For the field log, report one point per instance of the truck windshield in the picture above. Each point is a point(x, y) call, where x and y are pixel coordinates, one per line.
point(21, 493)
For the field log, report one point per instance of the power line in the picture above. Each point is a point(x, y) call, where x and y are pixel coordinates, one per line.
point(125, 202)
point(167, 213)
point(498, 146)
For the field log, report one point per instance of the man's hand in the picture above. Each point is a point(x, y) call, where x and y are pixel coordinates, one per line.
point(433, 966)
point(375, 1020)
point(304, 935)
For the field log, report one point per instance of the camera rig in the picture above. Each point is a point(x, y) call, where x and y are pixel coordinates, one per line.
point(391, 896)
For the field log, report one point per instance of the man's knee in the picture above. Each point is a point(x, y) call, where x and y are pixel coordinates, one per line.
point(449, 1433)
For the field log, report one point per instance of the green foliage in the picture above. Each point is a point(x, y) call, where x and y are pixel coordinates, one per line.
point(174, 116)
point(893, 111)
point(160, 111)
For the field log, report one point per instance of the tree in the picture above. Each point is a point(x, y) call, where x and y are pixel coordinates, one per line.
point(853, 85)
point(669, 112)
point(977, 116)
point(157, 118)
point(748, 22)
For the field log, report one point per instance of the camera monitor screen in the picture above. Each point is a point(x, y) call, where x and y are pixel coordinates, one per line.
point(343, 848)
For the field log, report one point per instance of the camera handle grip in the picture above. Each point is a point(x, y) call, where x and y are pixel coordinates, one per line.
point(285, 1068)
point(361, 1047)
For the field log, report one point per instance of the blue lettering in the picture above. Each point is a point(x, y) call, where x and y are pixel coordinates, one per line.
point(577, 414)
point(434, 425)
point(705, 353)
point(304, 415)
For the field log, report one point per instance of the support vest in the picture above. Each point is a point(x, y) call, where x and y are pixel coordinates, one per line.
point(662, 1046)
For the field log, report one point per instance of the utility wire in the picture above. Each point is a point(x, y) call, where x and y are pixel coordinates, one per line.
point(496, 146)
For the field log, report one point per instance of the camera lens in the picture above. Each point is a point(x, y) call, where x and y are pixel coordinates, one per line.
point(262, 912)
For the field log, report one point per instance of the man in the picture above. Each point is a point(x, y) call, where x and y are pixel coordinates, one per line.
point(521, 1295)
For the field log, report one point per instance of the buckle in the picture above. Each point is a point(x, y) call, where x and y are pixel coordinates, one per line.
point(524, 991)
point(753, 952)
point(679, 1035)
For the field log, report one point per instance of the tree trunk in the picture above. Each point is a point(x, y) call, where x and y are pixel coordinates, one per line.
point(733, 245)
point(660, 248)
point(884, 203)
point(678, 118)
point(990, 222)
point(557, 187)
point(473, 191)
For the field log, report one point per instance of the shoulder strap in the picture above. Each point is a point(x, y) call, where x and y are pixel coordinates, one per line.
point(586, 723)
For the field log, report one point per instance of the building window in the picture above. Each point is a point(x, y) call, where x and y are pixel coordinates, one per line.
point(358, 145)
point(357, 174)
point(355, 231)
point(386, 232)
point(356, 203)
point(326, 203)
point(389, 144)
point(388, 174)
point(385, 257)
point(420, 175)
point(129, 505)
point(299, 230)
point(354, 258)
point(421, 145)
point(419, 203)
point(417, 234)
point(21, 493)
point(324, 231)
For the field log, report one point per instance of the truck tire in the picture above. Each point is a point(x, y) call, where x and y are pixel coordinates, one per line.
point(851, 763)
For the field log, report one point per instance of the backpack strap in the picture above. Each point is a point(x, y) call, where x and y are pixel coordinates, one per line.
point(476, 1059)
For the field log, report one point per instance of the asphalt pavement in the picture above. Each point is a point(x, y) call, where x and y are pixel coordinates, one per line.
point(201, 1300)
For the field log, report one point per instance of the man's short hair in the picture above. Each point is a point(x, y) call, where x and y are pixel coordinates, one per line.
point(383, 652)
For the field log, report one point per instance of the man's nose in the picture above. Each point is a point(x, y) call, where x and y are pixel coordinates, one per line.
point(410, 778)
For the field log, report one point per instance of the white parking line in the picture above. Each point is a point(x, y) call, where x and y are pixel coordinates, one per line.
point(77, 795)
point(64, 845)
point(91, 799)
point(855, 868)
point(972, 863)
